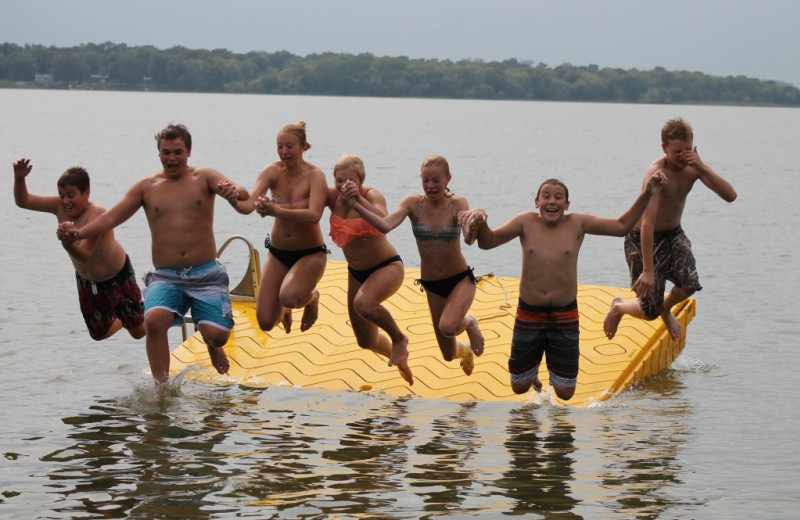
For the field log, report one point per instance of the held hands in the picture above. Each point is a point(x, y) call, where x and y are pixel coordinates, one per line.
point(67, 232)
point(656, 182)
point(472, 218)
point(471, 221)
point(265, 206)
point(228, 191)
point(350, 191)
point(22, 167)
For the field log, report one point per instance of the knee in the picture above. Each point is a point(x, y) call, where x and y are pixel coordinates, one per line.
point(449, 328)
point(564, 393)
point(651, 311)
point(521, 388)
point(265, 325)
point(214, 337)
point(364, 306)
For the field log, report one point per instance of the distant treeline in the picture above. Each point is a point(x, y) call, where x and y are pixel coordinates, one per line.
point(113, 66)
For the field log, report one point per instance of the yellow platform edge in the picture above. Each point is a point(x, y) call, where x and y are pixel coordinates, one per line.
point(327, 356)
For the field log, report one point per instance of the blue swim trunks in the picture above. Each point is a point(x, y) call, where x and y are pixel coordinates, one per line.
point(202, 288)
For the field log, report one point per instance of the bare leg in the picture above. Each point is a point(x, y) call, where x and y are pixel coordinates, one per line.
point(619, 308)
point(673, 297)
point(113, 329)
point(367, 314)
point(310, 312)
point(157, 344)
point(215, 339)
point(475, 335)
point(138, 332)
point(286, 320)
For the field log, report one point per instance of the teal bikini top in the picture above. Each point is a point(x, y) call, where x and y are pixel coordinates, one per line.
point(423, 232)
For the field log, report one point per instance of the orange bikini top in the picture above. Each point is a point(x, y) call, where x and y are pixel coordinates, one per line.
point(345, 230)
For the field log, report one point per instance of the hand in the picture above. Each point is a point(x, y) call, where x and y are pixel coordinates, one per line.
point(22, 167)
point(656, 182)
point(350, 190)
point(67, 232)
point(265, 206)
point(644, 284)
point(228, 191)
point(472, 218)
point(690, 158)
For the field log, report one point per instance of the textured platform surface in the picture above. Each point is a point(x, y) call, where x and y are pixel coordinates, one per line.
point(327, 355)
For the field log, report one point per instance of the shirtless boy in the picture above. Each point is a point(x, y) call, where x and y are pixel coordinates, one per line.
point(657, 249)
point(547, 314)
point(109, 296)
point(178, 202)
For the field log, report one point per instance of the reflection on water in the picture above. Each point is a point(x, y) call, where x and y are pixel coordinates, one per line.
point(540, 466)
point(292, 453)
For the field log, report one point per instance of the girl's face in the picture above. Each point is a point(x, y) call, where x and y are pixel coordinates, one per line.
point(434, 180)
point(343, 175)
point(289, 147)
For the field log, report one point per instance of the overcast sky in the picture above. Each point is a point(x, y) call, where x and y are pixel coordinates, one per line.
point(719, 37)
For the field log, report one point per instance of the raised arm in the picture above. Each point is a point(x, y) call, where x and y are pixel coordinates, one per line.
point(708, 176)
point(367, 210)
point(122, 211)
point(489, 238)
point(622, 225)
point(25, 200)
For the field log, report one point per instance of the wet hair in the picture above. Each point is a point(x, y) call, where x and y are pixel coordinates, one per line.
point(553, 182)
point(299, 131)
point(174, 131)
point(438, 160)
point(676, 129)
point(75, 176)
point(352, 162)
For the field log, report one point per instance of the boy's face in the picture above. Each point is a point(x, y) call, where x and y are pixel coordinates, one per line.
point(674, 150)
point(552, 202)
point(174, 156)
point(73, 200)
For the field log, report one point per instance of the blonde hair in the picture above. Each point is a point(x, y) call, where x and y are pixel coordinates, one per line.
point(299, 131)
point(438, 160)
point(352, 162)
point(676, 129)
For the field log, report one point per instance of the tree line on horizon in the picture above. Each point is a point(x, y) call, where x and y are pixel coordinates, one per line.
point(111, 66)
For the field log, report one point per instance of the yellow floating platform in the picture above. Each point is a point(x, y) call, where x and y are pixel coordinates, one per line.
point(327, 356)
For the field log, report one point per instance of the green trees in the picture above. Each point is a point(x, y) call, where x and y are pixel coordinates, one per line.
point(117, 66)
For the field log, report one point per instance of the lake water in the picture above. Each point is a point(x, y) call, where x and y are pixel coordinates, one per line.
point(713, 437)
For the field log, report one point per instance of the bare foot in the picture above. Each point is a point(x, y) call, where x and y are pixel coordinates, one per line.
point(537, 383)
point(475, 336)
point(286, 320)
point(219, 359)
point(613, 318)
point(672, 324)
point(468, 364)
point(310, 312)
point(405, 372)
point(399, 359)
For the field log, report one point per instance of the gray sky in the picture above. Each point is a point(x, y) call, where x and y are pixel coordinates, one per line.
point(718, 37)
